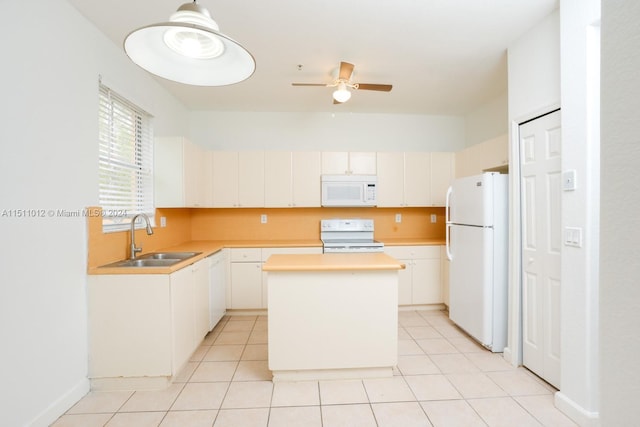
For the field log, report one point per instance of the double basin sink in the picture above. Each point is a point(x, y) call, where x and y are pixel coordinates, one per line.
point(155, 259)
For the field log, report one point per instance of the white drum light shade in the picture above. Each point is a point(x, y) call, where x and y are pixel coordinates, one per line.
point(189, 49)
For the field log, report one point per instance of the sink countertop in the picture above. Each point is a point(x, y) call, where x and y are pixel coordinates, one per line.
point(206, 247)
point(209, 247)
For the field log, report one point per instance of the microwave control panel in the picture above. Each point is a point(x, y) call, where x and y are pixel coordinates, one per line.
point(370, 193)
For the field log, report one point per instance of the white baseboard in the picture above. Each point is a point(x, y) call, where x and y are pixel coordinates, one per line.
point(61, 405)
point(578, 414)
point(508, 356)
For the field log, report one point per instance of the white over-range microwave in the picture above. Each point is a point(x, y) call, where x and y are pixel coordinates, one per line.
point(349, 190)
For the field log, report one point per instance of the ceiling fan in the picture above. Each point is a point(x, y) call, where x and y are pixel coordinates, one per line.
point(343, 83)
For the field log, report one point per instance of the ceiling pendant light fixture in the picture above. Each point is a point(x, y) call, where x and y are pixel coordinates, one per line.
point(190, 49)
point(342, 94)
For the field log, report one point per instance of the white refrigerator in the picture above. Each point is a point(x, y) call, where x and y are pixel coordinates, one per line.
point(477, 247)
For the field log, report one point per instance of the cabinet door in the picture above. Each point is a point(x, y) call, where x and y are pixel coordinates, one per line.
point(442, 165)
point(426, 281)
point(168, 179)
point(246, 285)
point(417, 177)
point(362, 163)
point(334, 162)
point(306, 179)
point(182, 319)
point(224, 172)
point(217, 287)
point(129, 325)
point(251, 179)
point(390, 187)
point(277, 179)
point(194, 175)
point(200, 277)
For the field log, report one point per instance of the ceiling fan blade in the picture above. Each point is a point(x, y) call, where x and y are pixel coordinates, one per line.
point(346, 69)
point(308, 84)
point(337, 102)
point(368, 86)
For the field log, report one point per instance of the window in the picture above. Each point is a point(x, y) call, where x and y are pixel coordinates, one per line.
point(125, 161)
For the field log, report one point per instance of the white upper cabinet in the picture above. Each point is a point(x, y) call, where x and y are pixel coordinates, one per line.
point(390, 179)
point(251, 179)
point(292, 179)
point(186, 175)
point(181, 174)
point(224, 171)
point(306, 178)
point(418, 175)
point(490, 155)
point(348, 163)
point(277, 179)
point(237, 179)
point(404, 179)
point(442, 173)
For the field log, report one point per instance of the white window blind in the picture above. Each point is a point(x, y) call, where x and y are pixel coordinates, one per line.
point(125, 161)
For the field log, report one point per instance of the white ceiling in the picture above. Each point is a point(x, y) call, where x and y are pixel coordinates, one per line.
point(441, 56)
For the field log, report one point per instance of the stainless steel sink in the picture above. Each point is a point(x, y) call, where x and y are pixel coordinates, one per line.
point(169, 255)
point(155, 259)
point(144, 263)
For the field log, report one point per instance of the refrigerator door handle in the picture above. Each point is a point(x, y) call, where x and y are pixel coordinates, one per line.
point(448, 242)
point(447, 218)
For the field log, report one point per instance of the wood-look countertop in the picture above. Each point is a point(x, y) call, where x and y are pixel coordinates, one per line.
point(332, 262)
point(209, 247)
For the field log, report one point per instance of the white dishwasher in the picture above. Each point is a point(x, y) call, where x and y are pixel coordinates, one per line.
point(217, 286)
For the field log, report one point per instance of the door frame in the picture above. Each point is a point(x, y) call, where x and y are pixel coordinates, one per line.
point(513, 351)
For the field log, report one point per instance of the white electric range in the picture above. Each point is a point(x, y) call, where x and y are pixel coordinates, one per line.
point(348, 235)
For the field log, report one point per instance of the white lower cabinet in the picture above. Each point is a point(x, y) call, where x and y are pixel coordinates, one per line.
point(248, 284)
point(246, 278)
point(201, 299)
point(420, 281)
point(218, 282)
point(144, 327)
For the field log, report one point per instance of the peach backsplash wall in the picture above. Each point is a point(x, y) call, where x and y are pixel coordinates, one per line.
point(185, 224)
point(304, 223)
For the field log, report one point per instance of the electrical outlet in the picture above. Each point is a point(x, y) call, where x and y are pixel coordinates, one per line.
point(263, 219)
point(434, 218)
point(163, 221)
point(569, 180)
point(398, 218)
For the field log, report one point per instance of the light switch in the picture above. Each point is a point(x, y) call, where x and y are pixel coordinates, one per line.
point(163, 221)
point(573, 236)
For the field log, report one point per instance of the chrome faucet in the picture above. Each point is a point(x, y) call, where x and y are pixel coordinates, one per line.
point(135, 250)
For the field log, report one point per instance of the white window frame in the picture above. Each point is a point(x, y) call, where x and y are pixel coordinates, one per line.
point(125, 161)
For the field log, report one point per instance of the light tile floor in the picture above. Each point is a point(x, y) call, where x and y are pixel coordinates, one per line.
point(443, 378)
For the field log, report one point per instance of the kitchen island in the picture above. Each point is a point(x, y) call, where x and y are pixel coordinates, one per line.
point(332, 316)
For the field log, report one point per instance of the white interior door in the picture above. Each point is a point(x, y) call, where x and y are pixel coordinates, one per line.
point(540, 157)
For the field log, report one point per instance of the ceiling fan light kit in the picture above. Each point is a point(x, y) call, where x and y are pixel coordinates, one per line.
point(342, 94)
point(343, 83)
point(190, 49)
